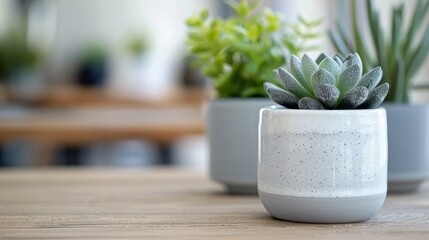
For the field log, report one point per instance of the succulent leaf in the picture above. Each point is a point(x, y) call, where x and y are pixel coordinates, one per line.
point(331, 66)
point(354, 98)
point(348, 56)
point(372, 78)
point(352, 60)
point(281, 96)
point(291, 83)
point(349, 78)
point(322, 76)
point(321, 57)
point(309, 66)
point(327, 94)
point(376, 96)
point(295, 67)
point(338, 60)
point(309, 103)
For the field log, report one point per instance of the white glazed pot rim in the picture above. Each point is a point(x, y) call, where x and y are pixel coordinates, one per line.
point(280, 110)
point(237, 99)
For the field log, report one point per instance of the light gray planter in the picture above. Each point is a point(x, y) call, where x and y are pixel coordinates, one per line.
point(233, 142)
point(408, 127)
point(322, 166)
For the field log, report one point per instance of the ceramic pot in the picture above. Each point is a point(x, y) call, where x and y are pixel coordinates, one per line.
point(408, 127)
point(322, 166)
point(233, 142)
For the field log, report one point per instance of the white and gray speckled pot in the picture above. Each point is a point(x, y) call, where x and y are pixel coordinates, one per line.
point(322, 166)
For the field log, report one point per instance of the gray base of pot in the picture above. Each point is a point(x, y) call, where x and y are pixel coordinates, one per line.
point(403, 186)
point(322, 210)
point(241, 189)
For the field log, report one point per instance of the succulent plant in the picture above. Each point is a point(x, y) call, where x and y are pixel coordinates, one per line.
point(327, 83)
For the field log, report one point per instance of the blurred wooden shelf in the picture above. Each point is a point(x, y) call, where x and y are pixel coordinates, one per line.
point(77, 115)
point(84, 125)
point(165, 203)
point(74, 96)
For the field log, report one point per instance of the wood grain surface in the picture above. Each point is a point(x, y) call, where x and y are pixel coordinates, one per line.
point(170, 204)
point(80, 126)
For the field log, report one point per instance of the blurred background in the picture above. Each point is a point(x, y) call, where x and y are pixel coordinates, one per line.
point(108, 83)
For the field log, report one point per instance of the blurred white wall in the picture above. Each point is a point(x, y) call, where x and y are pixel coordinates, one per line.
point(110, 21)
point(310, 9)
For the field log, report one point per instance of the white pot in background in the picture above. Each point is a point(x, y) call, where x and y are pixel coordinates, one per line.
point(322, 166)
point(233, 142)
point(26, 85)
point(408, 146)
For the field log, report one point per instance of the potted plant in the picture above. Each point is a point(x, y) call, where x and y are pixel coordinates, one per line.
point(132, 68)
point(238, 54)
point(323, 157)
point(401, 56)
point(20, 66)
point(92, 69)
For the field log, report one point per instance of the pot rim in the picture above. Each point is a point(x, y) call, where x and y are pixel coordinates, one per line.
point(280, 109)
point(220, 100)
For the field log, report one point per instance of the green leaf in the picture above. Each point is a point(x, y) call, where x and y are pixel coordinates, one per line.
point(353, 98)
point(376, 96)
point(349, 78)
point(327, 94)
point(358, 40)
point(295, 67)
point(320, 58)
point(310, 103)
point(401, 84)
point(343, 34)
point(396, 33)
point(331, 66)
point(320, 77)
point(309, 23)
point(371, 78)
point(338, 42)
point(419, 55)
point(381, 52)
point(423, 86)
point(281, 96)
point(309, 67)
point(338, 60)
point(418, 18)
point(351, 60)
point(373, 23)
point(291, 83)
point(254, 91)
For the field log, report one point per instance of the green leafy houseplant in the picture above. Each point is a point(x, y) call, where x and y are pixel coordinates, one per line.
point(16, 54)
point(400, 55)
point(327, 83)
point(240, 52)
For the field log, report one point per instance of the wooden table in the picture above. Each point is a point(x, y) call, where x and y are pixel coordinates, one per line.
point(170, 204)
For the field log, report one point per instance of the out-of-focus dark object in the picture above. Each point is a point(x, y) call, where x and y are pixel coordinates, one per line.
point(192, 78)
point(93, 66)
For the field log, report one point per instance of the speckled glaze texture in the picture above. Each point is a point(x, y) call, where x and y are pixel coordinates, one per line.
point(322, 154)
